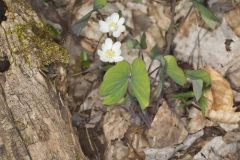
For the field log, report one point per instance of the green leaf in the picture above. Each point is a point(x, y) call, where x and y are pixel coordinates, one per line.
point(155, 52)
point(140, 83)
point(199, 74)
point(197, 88)
point(79, 25)
point(184, 95)
point(115, 83)
point(184, 104)
point(98, 4)
point(174, 71)
point(84, 59)
point(83, 56)
point(53, 31)
point(120, 13)
point(202, 104)
point(116, 79)
point(143, 42)
point(133, 44)
point(86, 64)
point(209, 18)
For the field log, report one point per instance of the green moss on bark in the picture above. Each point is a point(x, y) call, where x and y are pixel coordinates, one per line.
point(37, 39)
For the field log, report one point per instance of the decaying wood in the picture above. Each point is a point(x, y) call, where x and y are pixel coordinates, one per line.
point(34, 124)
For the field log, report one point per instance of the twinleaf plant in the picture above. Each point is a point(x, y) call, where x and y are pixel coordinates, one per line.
point(123, 79)
point(199, 79)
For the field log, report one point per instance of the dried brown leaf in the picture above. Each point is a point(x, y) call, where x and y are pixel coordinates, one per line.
point(115, 124)
point(117, 151)
point(221, 91)
point(137, 141)
point(233, 19)
point(222, 109)
point(166, 129)
point(197, 121)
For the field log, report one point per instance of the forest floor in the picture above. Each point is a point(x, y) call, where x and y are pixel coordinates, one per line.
point(167, 128)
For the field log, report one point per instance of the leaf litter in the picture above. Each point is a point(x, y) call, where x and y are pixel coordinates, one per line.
point(113, 133)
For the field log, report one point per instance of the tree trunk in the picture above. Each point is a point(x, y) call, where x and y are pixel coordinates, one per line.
point(34, 124)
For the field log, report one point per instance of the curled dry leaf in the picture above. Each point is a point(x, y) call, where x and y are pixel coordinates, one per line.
point(221, 91)
point(224, 117)
point(166, 129)
point(115, 124)
point(220, 100)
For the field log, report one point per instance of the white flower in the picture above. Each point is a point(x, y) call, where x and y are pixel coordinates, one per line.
point(110, 51)
point(113, 24)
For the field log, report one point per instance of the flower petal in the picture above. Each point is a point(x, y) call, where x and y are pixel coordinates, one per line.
point(105, 47)
point(108, 21)
point(121, 21)
point(118, 59)
point(102, 58)
point(117, 52)
point(111, 60)
point(116, 33)
point(107, 44)
point(121, 28)
point(103, 27)
point(115, 17)
point(116, 45)
point(100, 52)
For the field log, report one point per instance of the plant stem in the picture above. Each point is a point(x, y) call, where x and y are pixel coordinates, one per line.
point(95, 50)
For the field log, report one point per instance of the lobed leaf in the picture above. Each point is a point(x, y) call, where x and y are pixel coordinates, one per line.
point(116, 79)
point(174, 71)
point(98, 4)
point(184, 95)
point(143, 42)
point(79, 25)
point(197, 88)
point(140, 83)
point(199, 74)
point(115, 83)
point(133, 44)
point(202, 104)
point(209, 18)
point(155, 52)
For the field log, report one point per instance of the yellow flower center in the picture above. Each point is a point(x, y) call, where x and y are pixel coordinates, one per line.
point(110, 53)
point(113, 26)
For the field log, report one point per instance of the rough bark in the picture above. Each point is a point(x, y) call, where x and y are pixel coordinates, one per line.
point(34, 124)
